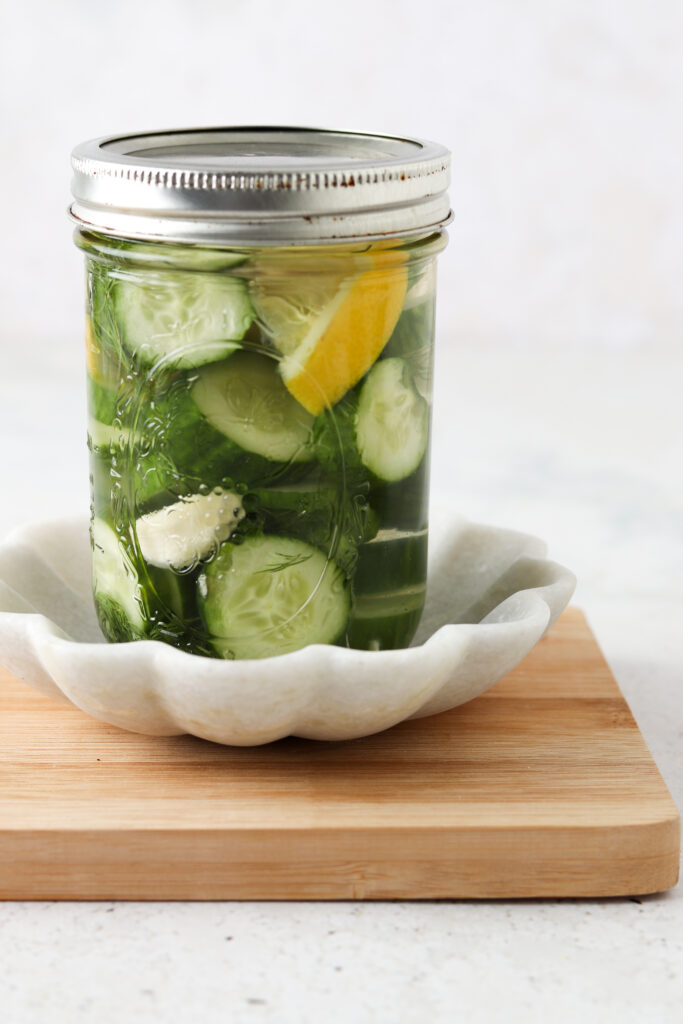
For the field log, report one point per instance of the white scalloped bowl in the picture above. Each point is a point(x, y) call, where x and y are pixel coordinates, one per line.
point(491, 596)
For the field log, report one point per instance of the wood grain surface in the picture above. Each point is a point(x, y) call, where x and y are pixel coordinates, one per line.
point(541, 787)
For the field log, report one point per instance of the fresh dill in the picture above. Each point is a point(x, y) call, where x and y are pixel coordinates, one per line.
point(287, 562)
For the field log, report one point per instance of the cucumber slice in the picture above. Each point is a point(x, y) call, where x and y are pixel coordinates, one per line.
point(134, 600)
point(104, 436)
point(271, 595)
point(244, 398)
point(163, 254)
point(174, 452)
point(183, 318)
point(119, 596)
point(392, 425)
point(389, 590)
point(180, 535)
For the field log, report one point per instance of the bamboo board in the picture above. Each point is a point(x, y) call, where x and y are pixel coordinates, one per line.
point(541, 787)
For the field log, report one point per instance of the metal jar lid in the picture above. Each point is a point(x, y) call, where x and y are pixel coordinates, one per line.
point(271, 186)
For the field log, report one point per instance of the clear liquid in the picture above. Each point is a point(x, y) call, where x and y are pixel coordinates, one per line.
point(150, 448)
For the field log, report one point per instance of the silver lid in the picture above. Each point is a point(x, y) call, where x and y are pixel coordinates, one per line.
point(274, 186)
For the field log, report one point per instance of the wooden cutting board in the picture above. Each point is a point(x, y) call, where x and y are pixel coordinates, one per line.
point(541, 787)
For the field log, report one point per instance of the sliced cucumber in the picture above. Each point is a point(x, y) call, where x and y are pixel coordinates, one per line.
point(163, 254)
point(271, 595)
point(119, 596)
point(104, 437)
point(174, 452)
point(180, 535)
point(389, 590)
point(135, 600)
point(392, 425)
point(244, 398)
point(391, 561)
point(182, 318)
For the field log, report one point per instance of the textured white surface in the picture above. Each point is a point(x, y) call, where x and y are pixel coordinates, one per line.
point(558, 412)
point(303, 963)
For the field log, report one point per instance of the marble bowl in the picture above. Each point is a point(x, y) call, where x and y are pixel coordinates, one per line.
point(492, 595)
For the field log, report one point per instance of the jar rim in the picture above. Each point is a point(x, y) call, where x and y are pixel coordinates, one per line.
point(260, 185)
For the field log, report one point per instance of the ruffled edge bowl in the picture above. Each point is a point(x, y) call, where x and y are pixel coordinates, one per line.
point(492, 594)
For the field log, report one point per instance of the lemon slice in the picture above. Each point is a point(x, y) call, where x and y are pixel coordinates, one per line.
point(331, 330)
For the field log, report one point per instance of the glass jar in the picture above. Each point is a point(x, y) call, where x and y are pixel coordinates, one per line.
point(259, 350)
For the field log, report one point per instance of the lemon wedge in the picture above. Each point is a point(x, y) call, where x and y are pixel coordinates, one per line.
point(330, 330)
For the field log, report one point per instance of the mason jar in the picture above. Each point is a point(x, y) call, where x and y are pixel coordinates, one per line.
point(259, 345)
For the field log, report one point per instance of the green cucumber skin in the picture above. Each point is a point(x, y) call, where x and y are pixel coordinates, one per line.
point(391, 578)
point(169, 600)
point(165, 622)
point(392, 564)
point(383, 633)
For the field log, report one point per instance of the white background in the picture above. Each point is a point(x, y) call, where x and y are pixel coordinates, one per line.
point(557, 411)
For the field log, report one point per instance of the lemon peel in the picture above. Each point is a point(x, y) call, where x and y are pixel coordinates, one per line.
point(327, 348)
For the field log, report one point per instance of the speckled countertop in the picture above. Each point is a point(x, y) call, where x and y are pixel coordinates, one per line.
point(580, 446)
